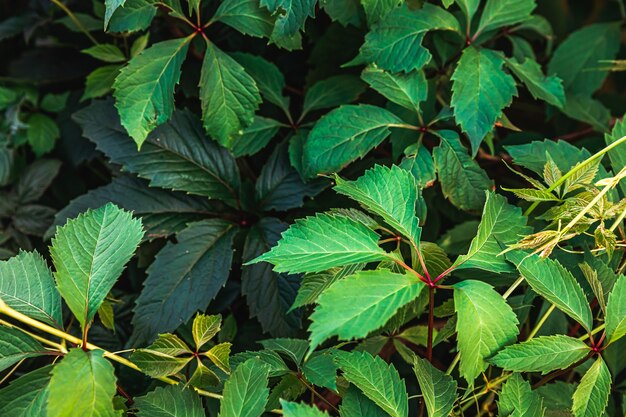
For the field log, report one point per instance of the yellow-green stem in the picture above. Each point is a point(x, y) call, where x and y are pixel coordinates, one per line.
point(74, 19)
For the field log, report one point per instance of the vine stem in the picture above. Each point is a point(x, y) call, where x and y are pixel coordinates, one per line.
point(74, 19)
point(541, 321)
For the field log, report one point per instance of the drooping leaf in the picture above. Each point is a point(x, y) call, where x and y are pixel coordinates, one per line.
point(27, 286)
point(246, 16)
point(517, 399)
point(162, 358)
point(16, 345)
point(546, 88)
point(324, 241)
point(407, 90)
point(485, 324)
point(27, 395)
point(36, 179)
point(379, 381)
point(176, 147)
point(93, 396)
point(184, 277)
point(438, 388)
point(363, 302)
point(144, 89)
point(391, 193)
point(345, 134)
point(229, 96)
point(246, 392)
point(548, 278)
point(480, 91)
point(592, 394)
point(616, 311)
point(267, 76)
point(332, 92)
point(542, 354)
point(170, 401)
point(499, 13)
point(502, 224)
point(105, 52)
point(89, 254)
point(463, 181)
point(301, 410)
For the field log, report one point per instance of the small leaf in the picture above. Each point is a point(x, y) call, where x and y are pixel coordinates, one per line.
point(267, 76)
point(290, 15)
point(100, 81)
point(616, 311)
point(93, 396)
point(203, 377)
point(245, 392)
point(16, 345)
point(407, 90)
point(356, 404)
point(219, 355)
point(320, 369)
point(517, 399)
point(170, 401)
point(42, 133)
point(300, 410)
point(499, 13)
point(438, 388)
point(246, 16)
point(106, 52)
point(543, 354)
point(332, 92)
point(204, 328)
point(548, 89)
point(161, 358)
point(89, 254)
point(592, 395)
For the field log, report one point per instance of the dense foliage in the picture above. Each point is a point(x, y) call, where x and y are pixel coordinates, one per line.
point(310, 208)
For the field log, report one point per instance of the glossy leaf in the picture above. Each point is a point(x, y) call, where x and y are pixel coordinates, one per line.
point(245, 392)
point(172, 400)
point(592, 394)
point(517, 399)
point(438, 388)
point(16, 345)
point(616, 311)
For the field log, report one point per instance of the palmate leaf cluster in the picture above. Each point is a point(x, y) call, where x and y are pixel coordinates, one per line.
point(312, 208)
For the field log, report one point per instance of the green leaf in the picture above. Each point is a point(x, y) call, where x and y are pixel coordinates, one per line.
point(379, 381)
point(203, 377)
point(111, 6)
point(616, 311)
point(184, 277)
point(407, 90)
point(480, 91)
point(469, 8)
point(27, 395)
point(229, 96)
point(93, 396)
point(100, 81)
point(356, 404)
point(267, 77)
point(320, 369)
point(543, 354)
point(54, 102)
point(294, 349)
point(176, 146)
point(106, 52)
point(245, 392)
point(170, 401)
point(438, 388)
point(144, 89)
point(346, 12)
point(246, 16)
point(548, 278)
point(332, 92)
point(89, 254)
point(27, 286)
point(463, 181)
point(354, 306)
point(161, 359)
point(290, 15)
point(42, 133)
point(420, 163)
point(517, 399)
point(376, 10)
point(317, 243)
point(36, 179)
point(501, 225)
point(313, 285)
point(395, 43)
point(135, 15)
point(535, 155)
point(391, 193)
point(219, 355)
point(300, 410)
point(548, 89)
point(485, 324)
point(592, 395)
point(499, 13)
point(204, 328)
point(577, 60)
point(587, 109)
point(16, 345)
point(345, 134)
point(263, 288)
point(255, 137)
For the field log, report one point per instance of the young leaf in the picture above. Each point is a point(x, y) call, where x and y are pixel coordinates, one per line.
point(204, 328)
point(100, 81)
point(89, 254)
point(407, 90)
point(93, 396)
point(543, 354)
point(354, 306)
point(246, 16)
point(592, 394)
point(174, 147)
point(616, 311)
point(548, 278)
point(144, 90)
point(42, 133)
point(517, 399)
point(438, 388)
point(26, 395)
point(15, 345)
point(391, 193)
point(499, 13)
point(502, 224)
point(324, 241)
point(184, 277)
point(345, 134)
point(485, 324)
point(463, 181)
point(300, 410)
point(229, 96)
point(356, 404)
point(219, 355)
point(106, 52)
point(290, 15)
point(246, 392)
point(332, 92)
point(320, 369)
point(161, 358)
point(480, 91)
point(169, 401)
point(27, 286)
point(548, 89)
point(379, 381)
